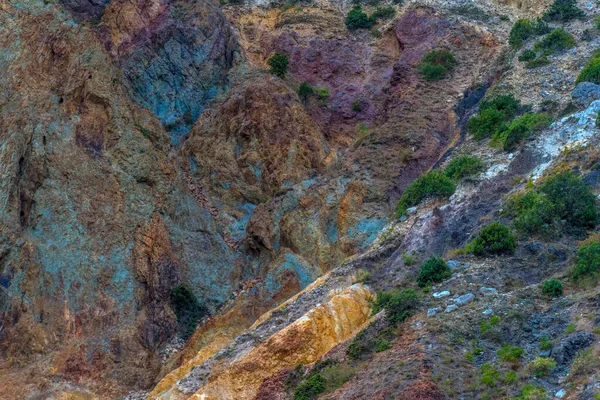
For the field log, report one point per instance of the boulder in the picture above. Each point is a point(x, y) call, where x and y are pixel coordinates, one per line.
point(585, 93)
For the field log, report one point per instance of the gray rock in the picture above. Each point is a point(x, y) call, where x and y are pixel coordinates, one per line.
point(433, 311)
point(488, 291)
point(441, 295)
point(411, 210)
point(545, 353)
point(451, 308)
point(568, 348)
point(453, 264)
point(464, 299)
point(403, 218)
point(585, 93)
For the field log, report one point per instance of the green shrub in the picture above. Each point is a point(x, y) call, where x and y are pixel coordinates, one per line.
point(279, 64)
point(399, 304)
point(431, 185)
point(434, 270)
point(545, 344)
point(519, 129)
point(555, 41)
point(542, 366)
point(591, 72)
point(384, 13)
point(522, 30)
point(495, 238)
point(322, 93)
point(489, 375)
point(436, 64)
point(510, 353)
point(356, 106)
point(431, 72)
point(552, 287)
point(538, 62)
point(527, 55)
point(462, 167)
point(408, 259)
point(510, 377)
point(311, 388)
point(531, 392)
point(561, 202)
point(188, 310)
point(493, 113)
point(357, 19)
point(383, 345)
point(563, 10)
point(587, 261)
point(305, 91)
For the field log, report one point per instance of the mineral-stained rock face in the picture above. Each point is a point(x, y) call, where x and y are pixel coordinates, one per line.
point(95, 227)
point(257, 143)
point(175, 55)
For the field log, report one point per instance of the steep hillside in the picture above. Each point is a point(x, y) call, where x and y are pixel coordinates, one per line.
point(250, 201)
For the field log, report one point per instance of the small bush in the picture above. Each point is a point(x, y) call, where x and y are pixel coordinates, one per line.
point(570, 328)
point(399, 304)
point(434, 270)
point(510, 377)
point(563, 10)
point(555, 41)
point(357, 19)
point(531, 392)
point(585, 363)
point(519, 129)
point(356, 106)
point(188, 310)
point(510, 353)
point(305, 91)
point(552, 287)
point(525, 29)
point(561, 203)
point(545, 344)
point(462, 167)
point(495, 238)
point(587, 261)
point(435, 65)
point(522, 30)
point(322, 93)
point(408, 259)
point(527, 55)
point(542, 366)
point(591, 72)
point(311, 388)
point(431, 185)
point(538, 62)
point(279, 64)
point(384, 13)
point(493, 113)
point(489, 375)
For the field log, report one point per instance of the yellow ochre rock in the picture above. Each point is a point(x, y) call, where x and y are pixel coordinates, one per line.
point(304, 341)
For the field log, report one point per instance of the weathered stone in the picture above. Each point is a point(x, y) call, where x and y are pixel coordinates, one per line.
point(488, 291)
point(451, 308)
point(464, 299)
point(432, 311)
point(585, 93)
point(440, 295)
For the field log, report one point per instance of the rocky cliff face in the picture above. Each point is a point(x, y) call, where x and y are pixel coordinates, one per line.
point(144, 148)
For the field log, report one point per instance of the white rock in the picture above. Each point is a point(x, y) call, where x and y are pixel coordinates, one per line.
point(433, 311)
point(561, 393)
point(441, 295)
point(451, 308)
